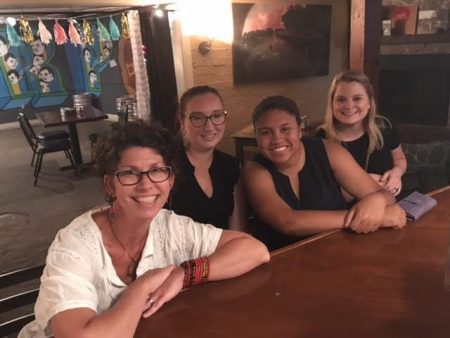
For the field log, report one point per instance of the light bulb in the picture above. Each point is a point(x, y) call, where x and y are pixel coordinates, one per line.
point(159, 12)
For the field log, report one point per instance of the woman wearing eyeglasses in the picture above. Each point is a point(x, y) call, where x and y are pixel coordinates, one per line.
point(112, 266)
point(208, 189)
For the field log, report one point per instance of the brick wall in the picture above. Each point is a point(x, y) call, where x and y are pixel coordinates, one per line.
point(215, 69)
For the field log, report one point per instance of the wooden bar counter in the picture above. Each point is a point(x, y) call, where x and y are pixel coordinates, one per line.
point(340, 284)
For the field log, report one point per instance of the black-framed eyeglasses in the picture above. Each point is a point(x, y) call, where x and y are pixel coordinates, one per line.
point(199, 120)
point(132, 177)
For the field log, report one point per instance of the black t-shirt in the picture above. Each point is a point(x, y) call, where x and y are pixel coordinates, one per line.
point(380, 160)
point(189, 199)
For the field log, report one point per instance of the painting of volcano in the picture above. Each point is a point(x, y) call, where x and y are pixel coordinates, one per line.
point(280, 41)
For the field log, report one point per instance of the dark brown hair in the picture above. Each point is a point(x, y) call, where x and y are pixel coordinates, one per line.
point(276, 102)
point(109, 149)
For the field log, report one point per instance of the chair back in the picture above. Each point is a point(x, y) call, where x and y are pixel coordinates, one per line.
point(16, 308)
point(27, 129)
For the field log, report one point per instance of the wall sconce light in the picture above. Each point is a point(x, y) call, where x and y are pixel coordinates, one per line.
point(159, 12)
point(204, 47)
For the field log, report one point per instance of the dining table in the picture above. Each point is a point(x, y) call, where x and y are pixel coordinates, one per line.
point(58, 117)
point(390, 283)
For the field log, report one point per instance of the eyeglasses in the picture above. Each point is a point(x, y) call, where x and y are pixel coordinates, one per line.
point(133, 177)
point(199, 120)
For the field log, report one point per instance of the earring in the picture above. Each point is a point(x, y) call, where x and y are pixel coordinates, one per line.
point(110, 199)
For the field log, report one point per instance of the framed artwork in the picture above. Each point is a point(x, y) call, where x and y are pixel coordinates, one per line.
point(404, 20)
point(280, 41)
point(432, 21)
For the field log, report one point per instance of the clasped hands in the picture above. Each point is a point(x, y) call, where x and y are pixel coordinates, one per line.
point(371, 213)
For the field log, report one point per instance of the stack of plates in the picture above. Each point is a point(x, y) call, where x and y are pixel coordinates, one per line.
point(82, 100)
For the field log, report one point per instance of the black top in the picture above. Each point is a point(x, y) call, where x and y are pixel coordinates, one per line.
point(380, 160)
point(318, 190)
point(189, 199)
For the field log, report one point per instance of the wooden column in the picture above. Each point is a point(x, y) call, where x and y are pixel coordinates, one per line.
point(365, 37)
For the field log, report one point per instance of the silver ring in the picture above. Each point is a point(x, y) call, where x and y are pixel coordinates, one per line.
point(150, 303)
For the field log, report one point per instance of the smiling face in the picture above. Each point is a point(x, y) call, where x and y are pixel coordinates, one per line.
point(208, 136)
point(11, 63)
point(278, 137)
point(145, 199)
point(350, 104)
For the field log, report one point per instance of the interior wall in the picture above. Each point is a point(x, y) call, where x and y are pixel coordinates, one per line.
point(23, 4)
point(216, 69)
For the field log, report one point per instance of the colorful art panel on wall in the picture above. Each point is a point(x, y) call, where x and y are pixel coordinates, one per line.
point(27, 74)
point(87, 62)
point(42, 72)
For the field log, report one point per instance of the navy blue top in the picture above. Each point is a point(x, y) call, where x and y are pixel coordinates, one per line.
point(189, 199)
point(318, 190)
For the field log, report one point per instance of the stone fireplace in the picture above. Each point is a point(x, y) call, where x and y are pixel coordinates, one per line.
point(415, 89)
point(414, 93)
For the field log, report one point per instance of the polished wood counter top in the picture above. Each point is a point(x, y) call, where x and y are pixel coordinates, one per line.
point(340, 284)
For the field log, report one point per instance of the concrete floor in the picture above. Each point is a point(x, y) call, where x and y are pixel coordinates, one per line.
point(30, 216)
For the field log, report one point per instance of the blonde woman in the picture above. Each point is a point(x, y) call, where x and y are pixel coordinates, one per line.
point(351, 119)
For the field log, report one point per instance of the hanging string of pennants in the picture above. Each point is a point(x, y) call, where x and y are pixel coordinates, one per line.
point(76, 32)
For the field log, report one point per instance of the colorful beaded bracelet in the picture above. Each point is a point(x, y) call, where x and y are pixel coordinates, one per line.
point(196, 271)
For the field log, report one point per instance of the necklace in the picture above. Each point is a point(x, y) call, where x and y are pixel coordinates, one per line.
point(133, 260)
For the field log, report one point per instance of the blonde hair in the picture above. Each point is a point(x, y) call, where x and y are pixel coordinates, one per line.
point(373, 123)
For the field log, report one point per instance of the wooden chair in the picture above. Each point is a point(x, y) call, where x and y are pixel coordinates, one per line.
point(44, 144)
point(14, 301)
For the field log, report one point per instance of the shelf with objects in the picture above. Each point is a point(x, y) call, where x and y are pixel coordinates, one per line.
point(416, 38)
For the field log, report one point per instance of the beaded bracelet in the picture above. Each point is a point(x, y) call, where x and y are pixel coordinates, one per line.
point(196, 271)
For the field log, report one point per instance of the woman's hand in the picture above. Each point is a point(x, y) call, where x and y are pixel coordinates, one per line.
point(167, 290)
point(367, 215)
point(391, 180)
point(394, 217)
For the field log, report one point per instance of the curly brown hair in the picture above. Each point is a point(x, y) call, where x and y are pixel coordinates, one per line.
point(108, 151)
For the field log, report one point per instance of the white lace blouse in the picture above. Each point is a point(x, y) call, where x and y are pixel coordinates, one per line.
point(79, 271)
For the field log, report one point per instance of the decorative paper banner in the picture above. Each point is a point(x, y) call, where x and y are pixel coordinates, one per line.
point(44, 33)
point(89, 39)
point(73, 33)
point(103, 32)
point(60, 34)
point(125, 28)
point(113, 29)
point(13, 37)
point(25, 30)
point(76, 33)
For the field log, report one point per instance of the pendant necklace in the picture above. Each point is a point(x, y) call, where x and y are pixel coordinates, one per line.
point(132, 268)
